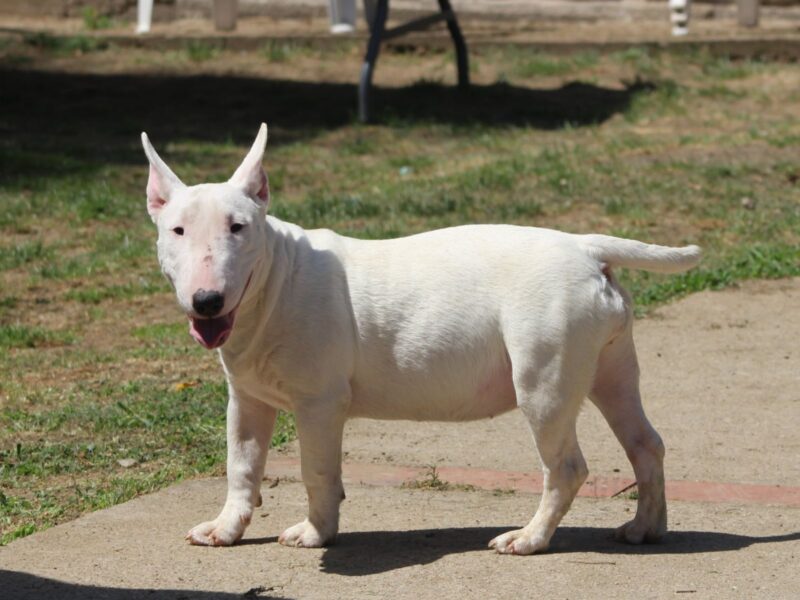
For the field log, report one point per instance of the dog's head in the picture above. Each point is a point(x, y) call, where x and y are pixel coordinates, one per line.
point(210, 238)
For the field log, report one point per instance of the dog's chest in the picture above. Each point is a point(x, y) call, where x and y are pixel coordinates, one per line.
point(260, 380)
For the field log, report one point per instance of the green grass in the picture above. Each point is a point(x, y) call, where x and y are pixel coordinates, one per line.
point(112, 373)
point(12, 257)
point(25, 336)
point(94, 20)
point(201, 51)
point(96, 295)
point(171, 432)
point(538, 64)
point(66, 45)
point(280, 51)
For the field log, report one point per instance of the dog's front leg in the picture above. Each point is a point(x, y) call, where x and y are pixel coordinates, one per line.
point(320, 423)
point(250, 425)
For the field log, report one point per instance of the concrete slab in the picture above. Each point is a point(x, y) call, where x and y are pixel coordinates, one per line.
point(401, 543)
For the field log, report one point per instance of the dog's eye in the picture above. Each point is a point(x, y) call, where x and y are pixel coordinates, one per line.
point(236, 227)
point(177, 230)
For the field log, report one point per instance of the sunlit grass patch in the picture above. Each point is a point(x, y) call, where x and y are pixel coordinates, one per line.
point(659, 99)
point(26, 336)
point(12, 257)
point(537, 64)
point(201, 50)
point(108, 444)
point(96, 295)
point(94, 20)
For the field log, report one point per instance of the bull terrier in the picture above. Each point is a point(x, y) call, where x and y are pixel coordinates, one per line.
point(456, 324)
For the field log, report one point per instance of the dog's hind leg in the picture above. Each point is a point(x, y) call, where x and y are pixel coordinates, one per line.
point(615, 391)
point(550, 398)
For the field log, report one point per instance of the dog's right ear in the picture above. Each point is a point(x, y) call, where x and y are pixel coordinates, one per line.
point(162, 182)
point(250, 176)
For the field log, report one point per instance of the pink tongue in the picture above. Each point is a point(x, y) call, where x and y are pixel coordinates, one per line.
point(211, 333)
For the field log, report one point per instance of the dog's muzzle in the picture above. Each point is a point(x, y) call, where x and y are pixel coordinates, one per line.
point(213, 332)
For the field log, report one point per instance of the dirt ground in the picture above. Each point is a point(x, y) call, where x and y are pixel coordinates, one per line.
point(720, 374)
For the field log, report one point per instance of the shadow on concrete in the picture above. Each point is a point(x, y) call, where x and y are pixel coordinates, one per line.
point(61, 117)
point(24, 586)
point(368, 553)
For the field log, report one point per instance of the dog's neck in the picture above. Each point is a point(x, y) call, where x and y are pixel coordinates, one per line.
point(271, 275)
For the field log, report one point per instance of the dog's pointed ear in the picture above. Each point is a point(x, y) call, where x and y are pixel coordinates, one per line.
point(162, 182)
point(250, 176)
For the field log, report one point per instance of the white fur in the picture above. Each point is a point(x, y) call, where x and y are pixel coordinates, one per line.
point(456, 324)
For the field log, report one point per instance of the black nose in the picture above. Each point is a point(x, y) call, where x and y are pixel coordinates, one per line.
point(207, 304)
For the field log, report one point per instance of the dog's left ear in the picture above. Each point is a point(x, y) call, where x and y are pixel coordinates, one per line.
point(250, 176)
point(162, 182)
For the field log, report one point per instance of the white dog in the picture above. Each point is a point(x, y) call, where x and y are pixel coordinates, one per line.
point(451, 325)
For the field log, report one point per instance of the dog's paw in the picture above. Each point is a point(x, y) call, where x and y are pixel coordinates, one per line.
point(519, 541)
point(304, 535)
point(219, 532)
point(636, 532)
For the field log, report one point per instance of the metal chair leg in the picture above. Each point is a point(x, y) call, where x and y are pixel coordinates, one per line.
point(462, 57)
point(379, 34)
point(377, 28)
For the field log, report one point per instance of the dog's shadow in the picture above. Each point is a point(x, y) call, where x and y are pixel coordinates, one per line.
point(372, 552)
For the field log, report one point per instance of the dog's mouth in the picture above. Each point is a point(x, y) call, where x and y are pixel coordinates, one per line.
point(213, 333)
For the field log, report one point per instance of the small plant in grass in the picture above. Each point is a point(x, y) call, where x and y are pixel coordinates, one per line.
point(278, 51)
point(433, 482)
point(201, 51)
point(94, 20)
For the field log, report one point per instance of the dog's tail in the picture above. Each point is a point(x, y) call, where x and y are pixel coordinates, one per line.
point(618, 252)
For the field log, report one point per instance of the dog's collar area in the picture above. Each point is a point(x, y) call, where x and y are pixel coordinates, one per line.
point(213, 333)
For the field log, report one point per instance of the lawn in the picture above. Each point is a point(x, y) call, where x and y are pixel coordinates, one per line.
point(103, 395)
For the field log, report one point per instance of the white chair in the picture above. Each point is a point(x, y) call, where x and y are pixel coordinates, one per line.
point(144, 16)
point(343, 16)
point(679, 16)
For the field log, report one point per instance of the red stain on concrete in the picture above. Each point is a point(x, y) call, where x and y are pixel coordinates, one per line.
point(595, 486)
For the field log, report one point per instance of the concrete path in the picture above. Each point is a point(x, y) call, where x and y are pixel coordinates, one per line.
point(720, 380)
